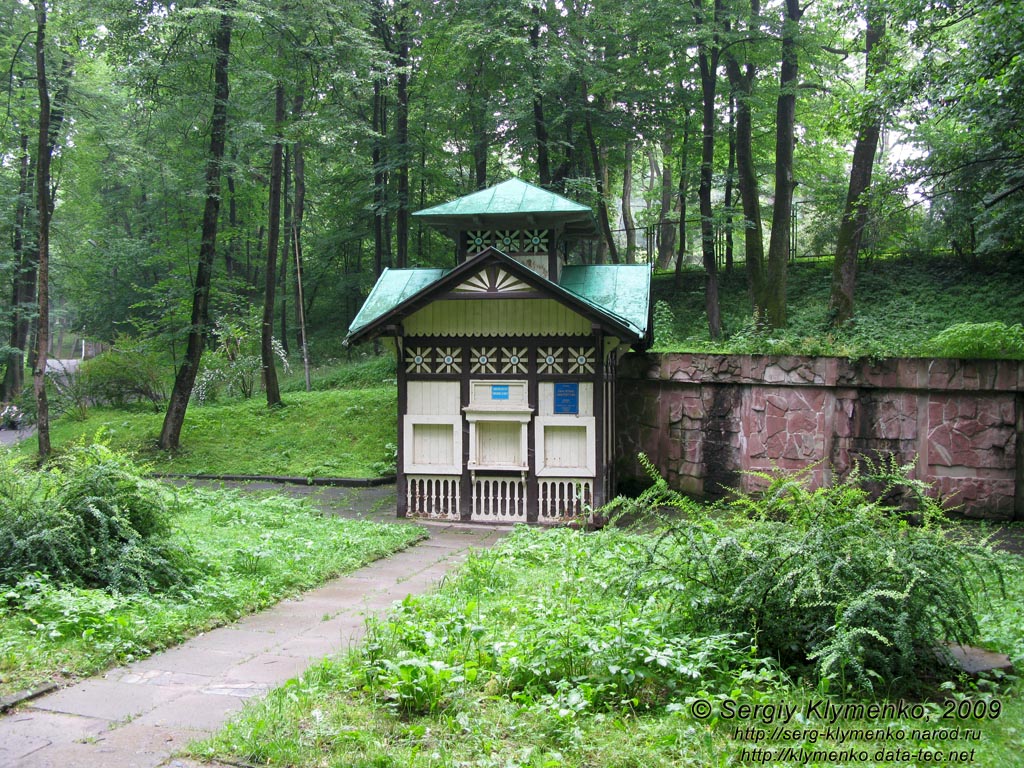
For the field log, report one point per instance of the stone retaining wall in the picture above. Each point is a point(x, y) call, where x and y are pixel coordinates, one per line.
point(705, 420)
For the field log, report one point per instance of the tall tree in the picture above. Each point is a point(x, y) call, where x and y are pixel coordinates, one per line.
point(25, 260)
point(185, 379)
point(43, 212)
point(742, 77)
point(708, 57)
point(785, 141)
point(855, 211)
point(627, 203)
point(273, 240)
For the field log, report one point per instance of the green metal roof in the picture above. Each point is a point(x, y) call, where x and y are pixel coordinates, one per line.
point(512, 197)
point(619, 294)
point(620, 290)
point(392, 288)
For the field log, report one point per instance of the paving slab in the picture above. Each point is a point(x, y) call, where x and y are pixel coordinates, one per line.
point(140, 715)
point(107, 699)
point(24, 733)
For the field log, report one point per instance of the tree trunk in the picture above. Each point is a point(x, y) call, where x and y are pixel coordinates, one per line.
point(43, 238)
point(539, 125)
point(273, 243)
point(746, 181)
point(170, 434)
point(379, 176)
point(602, 203)
point(666, 227)
point(402, 134)
point(627, 203)
point(230, 263)
point(708, 61)
point(730, 175)
point(298, 212)
point(24, 284)
point(855, 211)
point(684, 186)
point(286, 247)
point(785, 139)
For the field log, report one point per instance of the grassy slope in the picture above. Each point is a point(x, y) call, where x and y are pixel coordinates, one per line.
point(901, 304)
point(340, 433)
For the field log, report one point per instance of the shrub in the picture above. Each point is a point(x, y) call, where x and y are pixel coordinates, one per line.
point(128, 372)
point(91, 520)
point(233, 364)
point(836, 577)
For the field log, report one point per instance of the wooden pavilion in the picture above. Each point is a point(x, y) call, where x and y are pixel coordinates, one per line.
point(507, 362)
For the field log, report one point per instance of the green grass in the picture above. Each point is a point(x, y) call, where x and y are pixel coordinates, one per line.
point(901, 304)
point(252, 550)
point(336, 433)
point(536, 656)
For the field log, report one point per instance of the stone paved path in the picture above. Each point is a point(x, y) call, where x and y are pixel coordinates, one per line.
point(138, 716)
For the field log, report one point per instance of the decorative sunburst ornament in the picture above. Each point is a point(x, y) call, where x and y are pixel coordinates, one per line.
point(483, 360)
point(449, 360)
point(513, 360)
point(581, 359)
point(507, 241)
point(535, 241)
point(478, 241)
point(549, 360)
point(417, 360)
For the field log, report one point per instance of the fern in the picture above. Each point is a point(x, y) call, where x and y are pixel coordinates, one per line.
point(91, 520)
point(862, 580)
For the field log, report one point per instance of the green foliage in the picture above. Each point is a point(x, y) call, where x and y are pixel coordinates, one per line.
point(365, 372)
point(539, 654)
point(234, 365)
point(248, 551)
point(91, 520)
point(546, 621)
point(664, 325)
point(865, 578)
point(320, 434)
point(902, 305)
point(130, 371)
point(979, 340)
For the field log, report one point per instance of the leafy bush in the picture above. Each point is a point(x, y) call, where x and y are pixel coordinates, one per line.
point(979, 340)
point(130, 371)
point(840, 577)
point(234, 364)
point(664, 325)
point(90, 520)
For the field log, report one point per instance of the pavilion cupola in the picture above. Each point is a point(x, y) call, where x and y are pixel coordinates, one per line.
point(530, 224)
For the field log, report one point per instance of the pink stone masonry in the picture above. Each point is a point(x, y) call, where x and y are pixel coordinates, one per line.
point(706, 421)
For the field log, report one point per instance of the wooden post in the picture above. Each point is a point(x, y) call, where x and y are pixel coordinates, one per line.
point(403, 407)
point(599, 416)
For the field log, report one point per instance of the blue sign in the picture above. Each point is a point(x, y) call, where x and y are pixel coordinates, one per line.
point(499, 391)
point(567, 397)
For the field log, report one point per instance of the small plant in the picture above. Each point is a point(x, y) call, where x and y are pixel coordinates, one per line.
point(664, 324)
